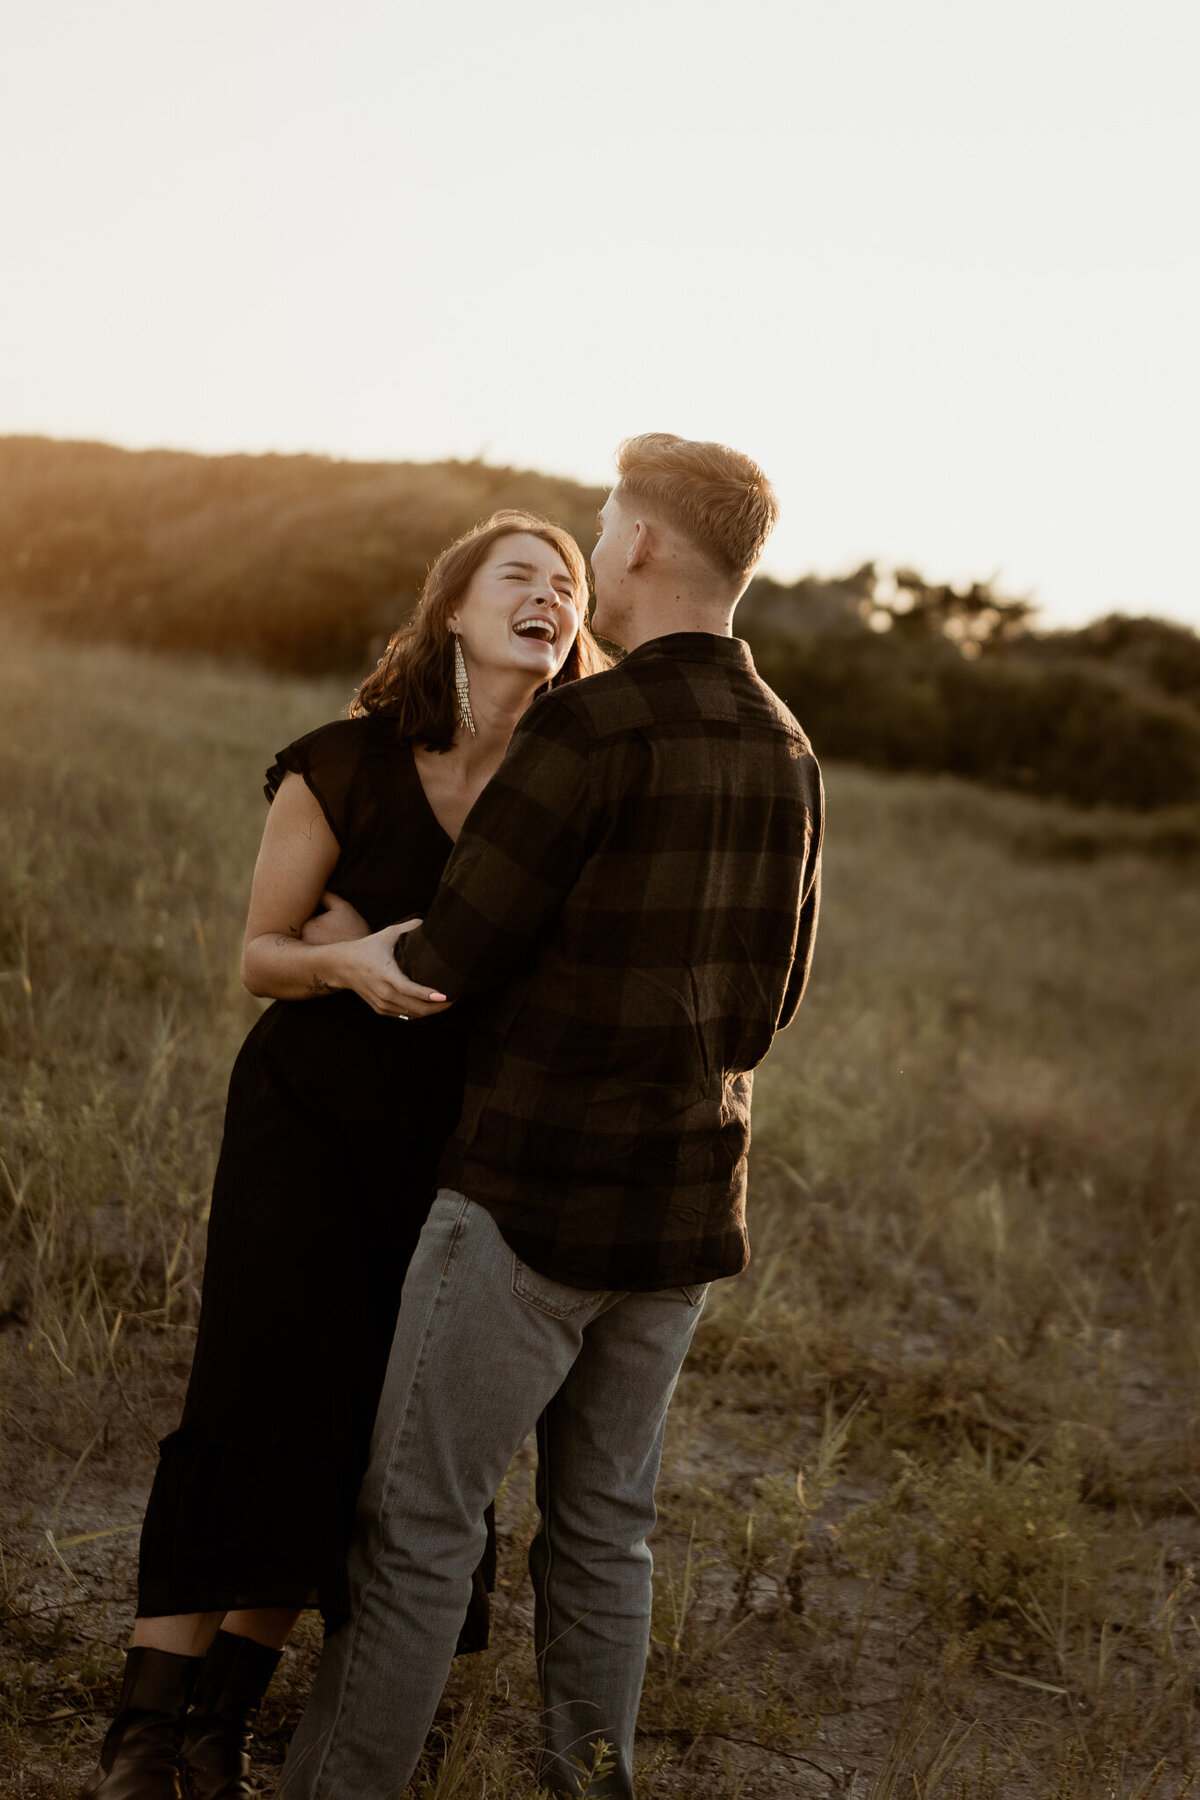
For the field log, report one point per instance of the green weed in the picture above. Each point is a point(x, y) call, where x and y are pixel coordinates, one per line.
point(996, 1545)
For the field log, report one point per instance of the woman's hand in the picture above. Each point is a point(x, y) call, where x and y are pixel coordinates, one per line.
point(290, 954)
point(340, 923)
point(368, 966)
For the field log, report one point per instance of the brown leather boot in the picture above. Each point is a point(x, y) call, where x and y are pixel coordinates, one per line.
point(139, 1756)
point(216, 1745)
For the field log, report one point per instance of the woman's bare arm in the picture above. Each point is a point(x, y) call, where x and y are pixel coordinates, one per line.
point(294, 864)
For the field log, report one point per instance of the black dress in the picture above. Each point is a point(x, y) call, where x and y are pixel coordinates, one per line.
point(335, 1121)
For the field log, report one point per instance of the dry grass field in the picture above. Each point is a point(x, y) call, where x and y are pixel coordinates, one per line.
point(931, 1503)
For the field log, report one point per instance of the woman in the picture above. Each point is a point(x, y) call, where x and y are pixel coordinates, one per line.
point(337, 1113)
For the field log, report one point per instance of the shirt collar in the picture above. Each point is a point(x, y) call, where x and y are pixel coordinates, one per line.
point(697, 646)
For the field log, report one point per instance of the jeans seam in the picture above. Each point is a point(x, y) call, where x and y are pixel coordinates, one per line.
point(544, 1453)
point(353, 1655)
point(552, 1633)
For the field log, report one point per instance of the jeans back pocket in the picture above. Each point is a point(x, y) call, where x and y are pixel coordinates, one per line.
point(554, 1298)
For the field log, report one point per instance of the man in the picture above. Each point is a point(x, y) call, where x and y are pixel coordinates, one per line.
point(633, 899)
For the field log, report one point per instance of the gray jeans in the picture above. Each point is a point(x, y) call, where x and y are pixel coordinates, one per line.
point(485, 1348)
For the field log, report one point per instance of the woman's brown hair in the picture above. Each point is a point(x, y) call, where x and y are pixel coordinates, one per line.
point(413, 681)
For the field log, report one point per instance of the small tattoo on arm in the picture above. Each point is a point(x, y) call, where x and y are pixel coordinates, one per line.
point(317, 986)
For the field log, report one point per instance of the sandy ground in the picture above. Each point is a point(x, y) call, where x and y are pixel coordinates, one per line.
point(835, 1687)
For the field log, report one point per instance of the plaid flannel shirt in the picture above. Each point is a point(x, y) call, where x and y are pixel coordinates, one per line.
point(633, 899)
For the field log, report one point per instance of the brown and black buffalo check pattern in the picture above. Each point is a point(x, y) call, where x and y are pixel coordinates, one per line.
point(633, 900)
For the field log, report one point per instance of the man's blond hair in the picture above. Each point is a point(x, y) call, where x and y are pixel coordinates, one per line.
point(713, 496)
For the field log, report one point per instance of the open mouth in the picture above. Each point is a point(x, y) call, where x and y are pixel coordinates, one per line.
point(541, 629)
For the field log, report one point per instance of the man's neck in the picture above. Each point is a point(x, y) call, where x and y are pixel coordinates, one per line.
point(663, 619)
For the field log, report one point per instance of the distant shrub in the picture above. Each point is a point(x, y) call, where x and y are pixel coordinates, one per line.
point(1157, 653)
point(1070, 729)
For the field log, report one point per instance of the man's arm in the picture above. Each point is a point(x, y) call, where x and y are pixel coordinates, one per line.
point(517, 857)
point(806, 926)
point(798, 978)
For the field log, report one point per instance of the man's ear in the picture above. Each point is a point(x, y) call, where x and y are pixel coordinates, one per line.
point(640, 548)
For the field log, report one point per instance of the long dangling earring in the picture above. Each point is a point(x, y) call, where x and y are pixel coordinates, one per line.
point(462, 688)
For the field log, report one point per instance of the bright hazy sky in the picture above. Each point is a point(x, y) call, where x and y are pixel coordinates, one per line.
point(934, 263)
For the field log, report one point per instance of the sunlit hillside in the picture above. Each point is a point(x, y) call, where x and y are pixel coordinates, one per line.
point(295, 562)
point(970, 1327)
point(304, 564)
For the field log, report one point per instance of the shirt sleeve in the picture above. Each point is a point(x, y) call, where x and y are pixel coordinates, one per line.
point(328, 760)
point(810, 905)
point(517, 857)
